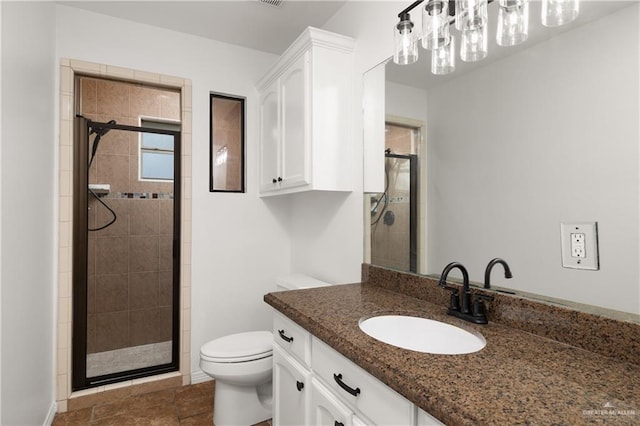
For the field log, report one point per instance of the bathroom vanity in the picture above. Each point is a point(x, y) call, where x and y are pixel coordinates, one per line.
point(332, 373)
point(315, 384)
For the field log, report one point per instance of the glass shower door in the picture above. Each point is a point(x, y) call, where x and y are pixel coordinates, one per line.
point(126, 260)
point(394, 216)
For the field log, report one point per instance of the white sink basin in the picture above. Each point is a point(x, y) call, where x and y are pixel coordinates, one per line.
point(422, 335)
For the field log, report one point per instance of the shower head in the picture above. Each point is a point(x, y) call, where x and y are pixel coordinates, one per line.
point(100, 132)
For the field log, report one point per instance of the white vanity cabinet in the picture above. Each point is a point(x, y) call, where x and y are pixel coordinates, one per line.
point(313, 384)
point(292, 384)
point(305, 114)
point(291, 373)
point(370, 399)
point(326, 409)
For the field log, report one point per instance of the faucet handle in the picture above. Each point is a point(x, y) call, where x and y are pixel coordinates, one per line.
point(479, 308)
point(454, 302)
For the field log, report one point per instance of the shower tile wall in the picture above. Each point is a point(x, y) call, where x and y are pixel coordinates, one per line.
point(129, 263)
point(390, 243)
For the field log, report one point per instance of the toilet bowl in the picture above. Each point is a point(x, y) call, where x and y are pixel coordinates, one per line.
point(242, 366)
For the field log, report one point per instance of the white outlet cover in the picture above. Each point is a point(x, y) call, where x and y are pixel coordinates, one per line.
point(590, 230)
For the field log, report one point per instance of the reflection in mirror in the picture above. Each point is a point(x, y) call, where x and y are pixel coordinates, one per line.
point(524, 141)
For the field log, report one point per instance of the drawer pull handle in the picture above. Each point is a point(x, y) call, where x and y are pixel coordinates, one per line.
point(299, 385)
point(285, 337)
point(337, 423)
point(338, 379)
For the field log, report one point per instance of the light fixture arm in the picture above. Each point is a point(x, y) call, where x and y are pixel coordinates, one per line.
point(409, 8)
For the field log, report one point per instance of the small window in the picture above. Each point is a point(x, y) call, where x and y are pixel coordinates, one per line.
point(156, 151)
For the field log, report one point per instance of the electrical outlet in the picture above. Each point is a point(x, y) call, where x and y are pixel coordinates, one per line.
point(580, 245)
point(577, 245)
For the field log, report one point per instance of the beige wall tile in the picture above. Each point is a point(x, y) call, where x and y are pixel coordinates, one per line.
point(119, 72)
point(146, 77)
point(143, 326)
point(112, 255)
point(114, 170)
point(166, 216)
point(120, 227)
point(113, 98)
point(165, 288)
point(83, 67)
point(165, 248)
point(112, 293)
point(112, 331)
point(145, 101)
point(88, 96)
point(143, 290)
point(145, 217)
point(143, 253)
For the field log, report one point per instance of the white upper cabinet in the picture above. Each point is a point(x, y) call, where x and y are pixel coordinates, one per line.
point(305, 116)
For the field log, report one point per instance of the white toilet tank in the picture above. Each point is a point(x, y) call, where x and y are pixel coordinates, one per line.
point(297, 282)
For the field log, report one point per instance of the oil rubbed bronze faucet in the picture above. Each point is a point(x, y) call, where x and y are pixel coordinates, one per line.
point(460, 307)
point(492, 263)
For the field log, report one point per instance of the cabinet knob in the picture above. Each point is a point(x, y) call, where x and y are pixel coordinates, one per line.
point(299, 386)
point(274, 180)
point(337, 423)
point(279, 179)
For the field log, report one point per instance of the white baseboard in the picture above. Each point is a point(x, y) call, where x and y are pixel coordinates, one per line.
point(48, 421)
point(199, 376)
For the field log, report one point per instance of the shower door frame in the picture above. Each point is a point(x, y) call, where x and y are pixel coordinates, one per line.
point(413, 207)
point(79, 379)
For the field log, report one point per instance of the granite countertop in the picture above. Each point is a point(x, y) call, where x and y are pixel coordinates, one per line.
point(518, 378)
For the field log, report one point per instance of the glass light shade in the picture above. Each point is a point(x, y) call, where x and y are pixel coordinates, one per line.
point(513, 22)
point(443, 59)
point(559, 12)
point(406, 46)
point(473, 46)
point(471, 14)
point(435, 24)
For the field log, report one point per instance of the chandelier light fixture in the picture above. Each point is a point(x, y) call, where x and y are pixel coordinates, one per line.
point(469, 17)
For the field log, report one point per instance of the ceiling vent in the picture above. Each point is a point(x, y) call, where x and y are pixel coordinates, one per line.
point(274, 3)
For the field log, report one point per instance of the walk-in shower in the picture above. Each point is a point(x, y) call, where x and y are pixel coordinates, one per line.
point(394, 215)
point(126, 233)
point(394, 240)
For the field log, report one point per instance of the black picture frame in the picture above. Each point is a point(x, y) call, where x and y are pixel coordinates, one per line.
point(226, 143)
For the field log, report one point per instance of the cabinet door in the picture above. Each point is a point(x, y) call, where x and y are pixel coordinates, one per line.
point(291, 389)
point(326, 410)
point(295, 100)
point(269, 139)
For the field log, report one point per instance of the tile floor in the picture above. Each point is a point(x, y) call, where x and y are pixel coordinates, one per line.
point(188, 405)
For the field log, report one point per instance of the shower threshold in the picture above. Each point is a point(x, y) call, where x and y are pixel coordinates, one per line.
point(134, 357)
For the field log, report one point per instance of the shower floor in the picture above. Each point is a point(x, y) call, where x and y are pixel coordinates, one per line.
point(101, 363)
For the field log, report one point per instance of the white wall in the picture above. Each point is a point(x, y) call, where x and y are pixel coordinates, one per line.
point(503, 175)
point(405, 101)
point(240, 242)
point(28, 188)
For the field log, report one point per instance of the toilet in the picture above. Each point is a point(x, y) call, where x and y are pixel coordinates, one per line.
point(242, 365)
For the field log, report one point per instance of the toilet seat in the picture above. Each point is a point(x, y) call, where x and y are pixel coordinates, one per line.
point(240, 347)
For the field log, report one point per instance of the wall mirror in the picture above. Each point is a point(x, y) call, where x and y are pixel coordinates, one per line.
point(510, 147)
